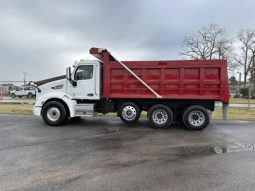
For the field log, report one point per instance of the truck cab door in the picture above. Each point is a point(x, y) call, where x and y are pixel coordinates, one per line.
point(86, 77)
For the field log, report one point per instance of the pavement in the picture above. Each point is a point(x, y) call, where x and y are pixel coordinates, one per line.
point(104, 154)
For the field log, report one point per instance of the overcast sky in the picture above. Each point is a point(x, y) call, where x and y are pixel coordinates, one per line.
point(43, 37)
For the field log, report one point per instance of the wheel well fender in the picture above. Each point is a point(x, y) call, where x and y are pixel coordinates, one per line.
point(60, 101)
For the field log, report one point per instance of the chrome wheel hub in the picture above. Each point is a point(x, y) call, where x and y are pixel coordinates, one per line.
point(129, 113)
point(196, 118)
point(160, 116)
point(53, 113)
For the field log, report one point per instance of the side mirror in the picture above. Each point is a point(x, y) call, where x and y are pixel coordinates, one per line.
point(68, 73)
point(31, 83)
point(69, 77)
point(35, 86)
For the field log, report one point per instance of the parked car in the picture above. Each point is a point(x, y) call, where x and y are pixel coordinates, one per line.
point(28, 91)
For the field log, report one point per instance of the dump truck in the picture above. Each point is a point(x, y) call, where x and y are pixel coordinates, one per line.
point(167, 90)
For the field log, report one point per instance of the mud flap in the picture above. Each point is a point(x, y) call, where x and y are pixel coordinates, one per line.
point(224, 111)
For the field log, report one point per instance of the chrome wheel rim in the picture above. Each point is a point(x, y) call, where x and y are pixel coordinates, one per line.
point(160, 116)
point(129, 113)
point(196, 118)
point(53, 113)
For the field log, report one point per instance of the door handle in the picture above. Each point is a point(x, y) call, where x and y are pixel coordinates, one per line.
point(90, 94)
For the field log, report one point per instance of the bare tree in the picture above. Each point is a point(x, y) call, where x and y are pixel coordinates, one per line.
point(252, 70)
point(209, 43)
point(247, 53)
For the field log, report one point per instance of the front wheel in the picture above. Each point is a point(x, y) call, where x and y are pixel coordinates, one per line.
point(54, 113)
point(160, 116)
point(195, 117)
point(129, 112)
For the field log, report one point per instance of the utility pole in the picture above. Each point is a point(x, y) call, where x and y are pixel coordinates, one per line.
point(24, 73)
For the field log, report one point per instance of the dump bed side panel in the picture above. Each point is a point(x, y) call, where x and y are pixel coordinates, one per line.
point(184, 79)
point(170, 79)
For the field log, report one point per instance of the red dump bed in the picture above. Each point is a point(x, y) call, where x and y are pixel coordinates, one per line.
point(184, 79)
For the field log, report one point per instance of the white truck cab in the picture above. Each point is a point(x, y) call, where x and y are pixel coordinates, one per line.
point(86, 77)
point(57, 100)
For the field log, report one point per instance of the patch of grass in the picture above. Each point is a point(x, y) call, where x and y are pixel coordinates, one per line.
point(26, 109)
point(241, 100)
point(235, 114)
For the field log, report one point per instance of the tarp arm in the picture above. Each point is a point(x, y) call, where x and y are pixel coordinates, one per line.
point(137, 77)
point(97, 52)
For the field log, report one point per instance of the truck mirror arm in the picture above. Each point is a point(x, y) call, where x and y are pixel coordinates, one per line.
point(74, 83)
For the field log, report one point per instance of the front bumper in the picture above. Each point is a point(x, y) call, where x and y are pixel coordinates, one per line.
point(37, 110)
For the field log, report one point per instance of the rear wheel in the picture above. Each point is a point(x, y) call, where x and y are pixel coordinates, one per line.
point(196, 117)
point(54, 113)
point(129, 112)
point(160, 116)
point(30, 95)
point(13, 95)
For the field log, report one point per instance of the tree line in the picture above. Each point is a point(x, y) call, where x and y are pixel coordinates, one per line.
point(211, 42)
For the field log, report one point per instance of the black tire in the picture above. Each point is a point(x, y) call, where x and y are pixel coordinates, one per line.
point(54, 113)
point(160, 116)
point(13, 95)
point(30, 95)
point(129, 112)
point(195, 117)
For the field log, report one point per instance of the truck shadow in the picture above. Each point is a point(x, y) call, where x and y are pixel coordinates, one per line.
point(117, 123)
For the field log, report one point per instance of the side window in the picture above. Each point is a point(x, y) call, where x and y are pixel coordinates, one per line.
point(84, 72)
point(29, 88)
